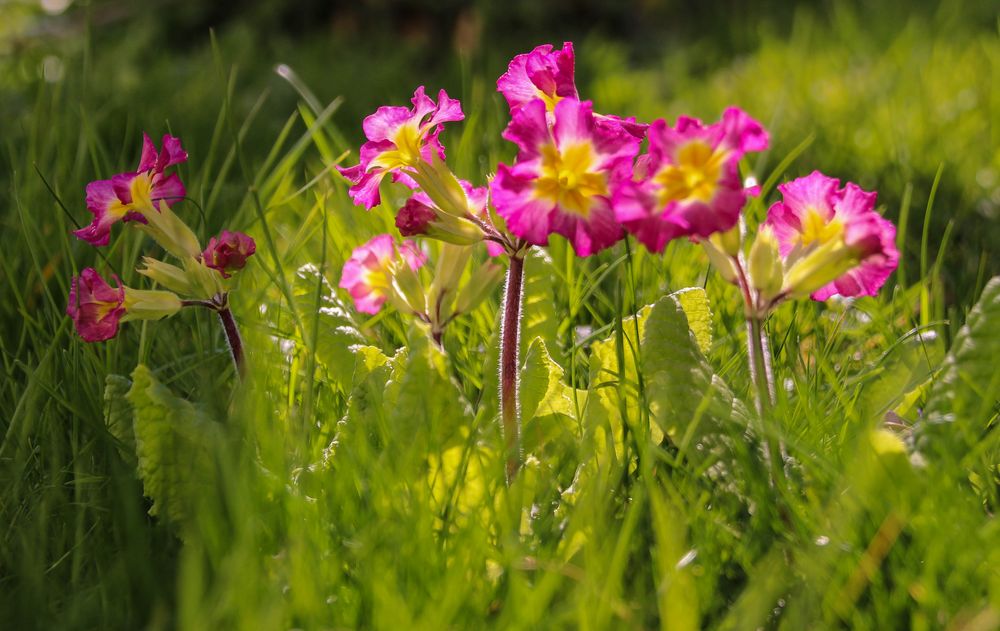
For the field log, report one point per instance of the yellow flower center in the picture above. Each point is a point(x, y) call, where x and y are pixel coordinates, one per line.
point(816, 229)
point(567, 180)
point(695, 176)
point(407, 139)
point(141, 189)
point(549, 99)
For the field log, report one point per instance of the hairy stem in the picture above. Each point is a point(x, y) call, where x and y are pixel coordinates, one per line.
point(510, 334)
point(763, 379)
point(234, 339)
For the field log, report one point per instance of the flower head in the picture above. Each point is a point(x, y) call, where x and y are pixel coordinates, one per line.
point(564, 176)
point(369, 275)
point(228, 252)
point(399, 139)
point(541, 74)
point(134, 195)
point(689, 182)
point(420, 216)
point(95, 307)
point(832, 239)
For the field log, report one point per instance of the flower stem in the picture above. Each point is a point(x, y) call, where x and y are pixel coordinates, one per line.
point(510, 334)
point(763, 379)
point(234, 339)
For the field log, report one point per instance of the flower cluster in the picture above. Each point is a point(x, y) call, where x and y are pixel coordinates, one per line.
point(144, 198)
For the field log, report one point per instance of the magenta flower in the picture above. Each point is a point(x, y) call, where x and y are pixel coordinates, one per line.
point(832, 239)
point(228, 252)
point(95, 307)
point(540, 74)
point(369, 274)
point(689, 182)
point(399, 139)
point(130, 196)
point(564, 176)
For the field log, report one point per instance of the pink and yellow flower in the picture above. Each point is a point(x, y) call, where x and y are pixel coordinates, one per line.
point(228, 252)
point(131, 196)
point(689, 182)
point(399, 140)
point(832, 239)
point(565, 175)
point(95, 307)
point(541, 74)
point(370, 274)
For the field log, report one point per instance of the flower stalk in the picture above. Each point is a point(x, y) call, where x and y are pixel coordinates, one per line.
point(510, 334)
point(220, 305)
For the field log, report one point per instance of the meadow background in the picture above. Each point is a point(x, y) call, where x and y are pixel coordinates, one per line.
point(346, 488)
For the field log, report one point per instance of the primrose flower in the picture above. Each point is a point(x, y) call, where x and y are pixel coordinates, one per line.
point(540, 74)
point(689, 180)
point(228, 252)
point(134, 195)
point(370, 275)
point(832, 239)
point(564, 177)
point(400, 139)
point(97, 308)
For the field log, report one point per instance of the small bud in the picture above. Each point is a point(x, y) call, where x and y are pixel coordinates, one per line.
point(417, 218)
point(819, 267)
point(228, 252)
point(765, 265)
point(205, 282)
point(147, 304)
point(721, 261)
point(167, 229)
point(170, 276)
point(731, 241)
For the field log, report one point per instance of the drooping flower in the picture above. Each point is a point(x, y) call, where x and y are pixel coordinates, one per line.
point(228, 252)
point(541, 74)
point(95, 307)
point(400, 139)
point(370, 274)
point(133, 196)
point(689, 182)
point(564, 177)
point(832, 239)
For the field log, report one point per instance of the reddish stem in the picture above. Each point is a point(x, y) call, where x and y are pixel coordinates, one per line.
point(510, 334)
point(234, 339)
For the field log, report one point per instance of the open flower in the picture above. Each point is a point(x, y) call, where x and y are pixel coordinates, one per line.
point(564, 176)
point(832, 239)
point(399, 140)
point(228, 252)
point(95, 307)
point(370, 275)
point(540, 74)
point(133, 196)
point(689, 182)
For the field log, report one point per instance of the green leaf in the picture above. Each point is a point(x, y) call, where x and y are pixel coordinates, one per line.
point(337, 334)
point(902, 370)
point(175, 443)
point(694, 301)
point(548, 411)
point(964, 399)
point(538, 309)
point(686, 398)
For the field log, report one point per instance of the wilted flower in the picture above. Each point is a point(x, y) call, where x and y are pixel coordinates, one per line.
point(370, 275)
point(399, 140)
point(831, 238)
point(564, 176)
point(228, 252)
point(133, 196)
point(689, 182)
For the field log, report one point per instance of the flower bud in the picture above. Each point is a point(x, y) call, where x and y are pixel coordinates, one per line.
point(146, 304)
point(170, 276)
point(720, 261)
point(482, 283)
point(730, 241)
point(447, 273)
point(205, 282)
point(417, 218)
point(765, 265)
point(167, 229)
point(228, 252)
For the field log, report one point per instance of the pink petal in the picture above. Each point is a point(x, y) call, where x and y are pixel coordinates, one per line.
point(529, 129)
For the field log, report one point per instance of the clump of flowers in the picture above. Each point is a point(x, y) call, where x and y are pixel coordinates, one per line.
point(201, 278)
point(579, 174)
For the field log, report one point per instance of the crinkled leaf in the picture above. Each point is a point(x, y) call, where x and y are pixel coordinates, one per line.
point(118, 414)
point(336, 331)
point(696, 307)
point(175, 445)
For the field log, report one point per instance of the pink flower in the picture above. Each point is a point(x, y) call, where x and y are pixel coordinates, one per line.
point(95, 307)
point(832, 239)
point(369, 274)
point(130, 196)
point(399, 140)
point(689, 182)
point(564, 176)
point(540, 74)
point(228, 252)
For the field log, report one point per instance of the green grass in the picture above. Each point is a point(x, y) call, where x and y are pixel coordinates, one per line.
point(344, 488)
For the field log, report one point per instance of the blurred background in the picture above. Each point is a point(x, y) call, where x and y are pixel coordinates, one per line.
point(888, 92)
